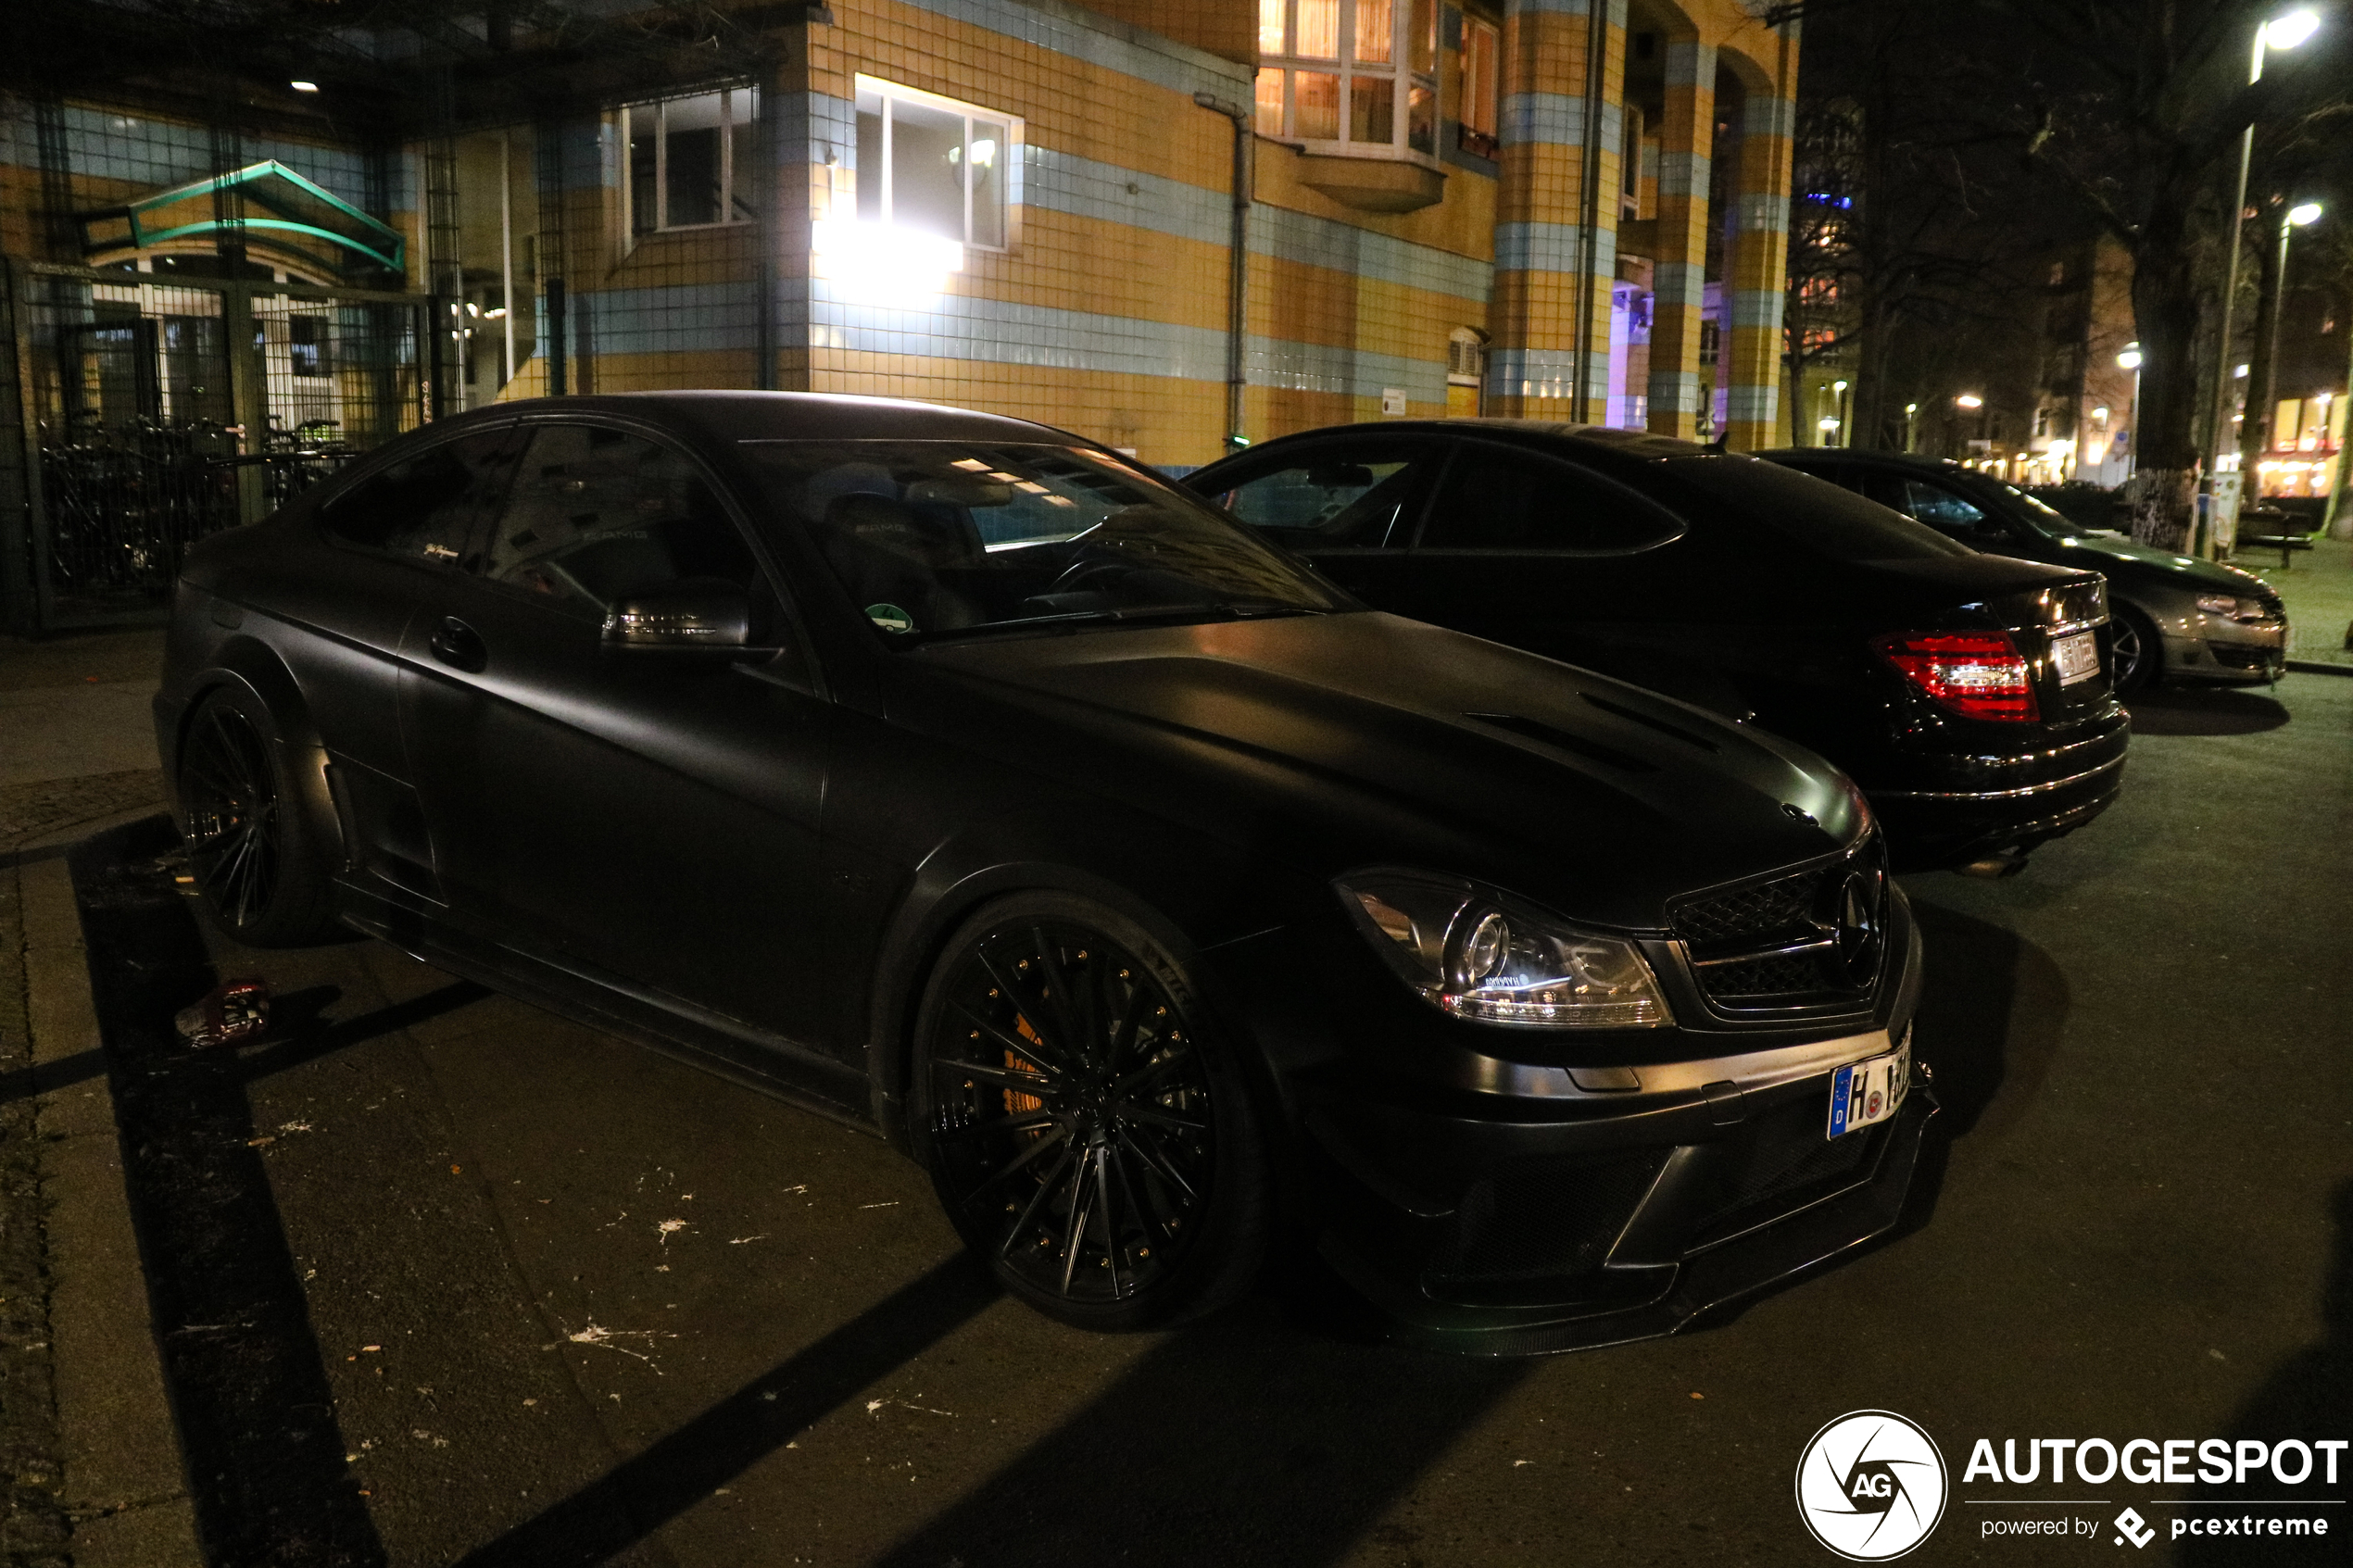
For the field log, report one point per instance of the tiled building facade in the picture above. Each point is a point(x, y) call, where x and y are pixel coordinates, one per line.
point(1568, 209)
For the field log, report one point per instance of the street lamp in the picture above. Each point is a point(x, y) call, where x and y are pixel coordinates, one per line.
point(1911, 426)
point(2280, 32)
point(1970, 400)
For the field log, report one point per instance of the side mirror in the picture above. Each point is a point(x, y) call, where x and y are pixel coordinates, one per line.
point(692, 613)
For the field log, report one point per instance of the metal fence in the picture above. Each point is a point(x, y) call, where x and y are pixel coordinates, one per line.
point(158, 411)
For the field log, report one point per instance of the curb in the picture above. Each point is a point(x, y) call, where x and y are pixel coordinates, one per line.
point(2315, 667)
point(123, 1481)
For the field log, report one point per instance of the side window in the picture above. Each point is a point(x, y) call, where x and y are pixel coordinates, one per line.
point(1500, 498)
point(427, 506)
point(1940, 508)
point(598, 513)
point(1349, 496)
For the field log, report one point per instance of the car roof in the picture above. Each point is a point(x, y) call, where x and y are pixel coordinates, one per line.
point(793, 416)
point(1869, 455)
point(1637, 444)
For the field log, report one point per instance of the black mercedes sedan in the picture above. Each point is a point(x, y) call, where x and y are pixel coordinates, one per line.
point(2177, 617)
point(1967, 694)
point(954, 777)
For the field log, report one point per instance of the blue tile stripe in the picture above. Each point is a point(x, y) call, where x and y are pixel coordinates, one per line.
point(999, 331)
point(1099, 40)
point(1084, 187)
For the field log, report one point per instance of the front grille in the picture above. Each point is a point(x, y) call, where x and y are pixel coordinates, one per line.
point(1788, 942)
point(1545, 1218)
point(2232, 655)
point(1781, 1162)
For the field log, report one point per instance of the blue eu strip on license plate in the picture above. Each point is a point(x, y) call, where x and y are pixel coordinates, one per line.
point(1865, 1092)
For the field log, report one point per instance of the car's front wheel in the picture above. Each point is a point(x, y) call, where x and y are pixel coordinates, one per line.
point(250, 848)
point(1086, 1126)
point(2139, 655)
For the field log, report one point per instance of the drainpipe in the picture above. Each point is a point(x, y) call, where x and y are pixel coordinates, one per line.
point(1236, 264)
point(1588, 239)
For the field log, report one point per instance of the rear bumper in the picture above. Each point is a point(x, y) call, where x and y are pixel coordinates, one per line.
point(1986, 803)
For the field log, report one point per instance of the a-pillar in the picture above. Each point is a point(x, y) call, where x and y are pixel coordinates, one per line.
point(1755, 268)
point(1541, 257)
point(1679, 278)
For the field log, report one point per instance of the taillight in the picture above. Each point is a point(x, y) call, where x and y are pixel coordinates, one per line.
point(1976, 674)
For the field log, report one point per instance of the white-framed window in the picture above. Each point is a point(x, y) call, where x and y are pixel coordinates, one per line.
point(933, 166)
point(1350, 76)
point(687, 163)
point(1482, 85)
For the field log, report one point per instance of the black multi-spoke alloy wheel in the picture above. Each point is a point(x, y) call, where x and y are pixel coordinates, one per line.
point(1086, 1126)
point(2140, 657)
point(250, 848)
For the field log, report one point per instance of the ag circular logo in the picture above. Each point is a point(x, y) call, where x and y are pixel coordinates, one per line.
point(1870, 1485)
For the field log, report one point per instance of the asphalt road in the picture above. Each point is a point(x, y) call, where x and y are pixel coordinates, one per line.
point(442, 1279)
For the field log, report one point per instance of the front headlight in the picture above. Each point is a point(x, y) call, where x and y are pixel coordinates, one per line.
point(1480, 955)
point(2234, 607)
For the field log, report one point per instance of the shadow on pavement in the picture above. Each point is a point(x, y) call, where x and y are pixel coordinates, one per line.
point(296, 1035)
point(2309, 1395)
point(675, 1472)
point(2205, 710)
point(1237, 1440)
point(265, 1452)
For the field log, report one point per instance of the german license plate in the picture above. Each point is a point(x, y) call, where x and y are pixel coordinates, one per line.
point(2078, 654)
point(1870, 1091)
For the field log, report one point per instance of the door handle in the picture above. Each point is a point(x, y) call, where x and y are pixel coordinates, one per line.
point(459, 645)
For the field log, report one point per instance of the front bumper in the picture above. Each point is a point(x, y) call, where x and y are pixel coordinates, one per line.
point(1524, 1208)
point(2210, 647)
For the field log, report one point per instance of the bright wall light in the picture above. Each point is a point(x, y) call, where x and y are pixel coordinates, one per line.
point(2291, 30)
point(2303, 213)
point(878, 264)
point(1970, 400)
point(2131, 359)
point(304, 86)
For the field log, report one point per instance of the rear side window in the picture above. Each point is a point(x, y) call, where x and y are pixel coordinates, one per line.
point(1810, 513)
point(1501, 499)
point(426, 506)
point(1342, 495)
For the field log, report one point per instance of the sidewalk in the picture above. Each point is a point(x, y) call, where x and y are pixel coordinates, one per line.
point(93, 1470)
point(2318, 589)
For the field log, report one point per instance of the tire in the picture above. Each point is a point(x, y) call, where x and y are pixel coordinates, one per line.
point(2138, 652)
point(1087, 1128)
point(251, 848)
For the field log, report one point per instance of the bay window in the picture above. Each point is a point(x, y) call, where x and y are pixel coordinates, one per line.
point(1350, 76)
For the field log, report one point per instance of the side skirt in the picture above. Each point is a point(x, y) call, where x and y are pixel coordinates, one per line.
point(769, 1064)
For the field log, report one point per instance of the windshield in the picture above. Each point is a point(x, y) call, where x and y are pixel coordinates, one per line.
point(1814, 514)
point(938, 539)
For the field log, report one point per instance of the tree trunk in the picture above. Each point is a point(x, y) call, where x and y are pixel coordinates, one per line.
point(2162, 493)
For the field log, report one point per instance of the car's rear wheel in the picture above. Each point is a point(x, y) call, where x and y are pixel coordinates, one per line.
point(1086, 1126)
point(251, 848)
point(2139, 655)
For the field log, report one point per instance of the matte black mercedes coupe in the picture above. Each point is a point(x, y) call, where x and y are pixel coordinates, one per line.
point(954, 776)
point(1967, 694)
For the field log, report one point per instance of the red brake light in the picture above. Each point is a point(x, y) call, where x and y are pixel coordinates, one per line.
point(1976, 674)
